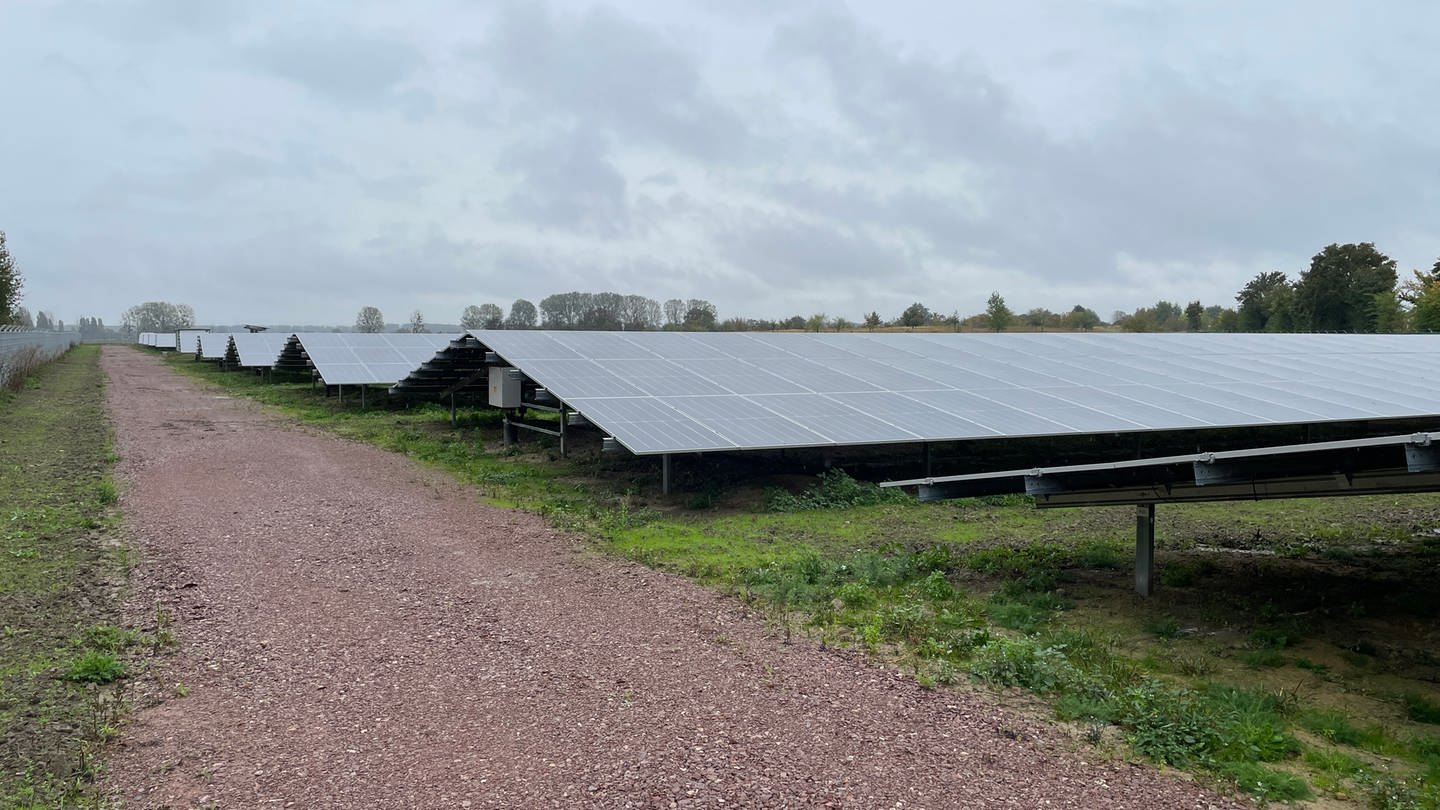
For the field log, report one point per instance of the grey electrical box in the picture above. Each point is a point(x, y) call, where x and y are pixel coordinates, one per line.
point(504, 387)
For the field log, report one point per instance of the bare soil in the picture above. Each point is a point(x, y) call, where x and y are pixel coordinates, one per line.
point(358, 632)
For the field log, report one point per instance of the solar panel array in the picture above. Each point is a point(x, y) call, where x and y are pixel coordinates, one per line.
point(350, 358)
point(187, 340)
point(213, 345)
point(665, 392)
point(257, 350)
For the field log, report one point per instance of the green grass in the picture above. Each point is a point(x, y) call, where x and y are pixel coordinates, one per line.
point(999, 592)
point(57, 581)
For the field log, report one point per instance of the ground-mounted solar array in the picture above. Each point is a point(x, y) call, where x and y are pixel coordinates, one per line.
point(350, 358)
point(255, 350)
point(669, 392)
point(213, 345)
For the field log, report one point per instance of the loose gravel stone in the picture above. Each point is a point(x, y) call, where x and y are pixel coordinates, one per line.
point(358, 632)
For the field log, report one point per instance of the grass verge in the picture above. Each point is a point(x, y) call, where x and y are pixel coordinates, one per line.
point(1289, 653)
point(62, 659)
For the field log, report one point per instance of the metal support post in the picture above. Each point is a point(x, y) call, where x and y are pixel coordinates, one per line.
point(665, 474)
point(1145, 549)
point(505, 429)
point(362, 396)
point(340, 392)
point(926, 447)
point(564, 417)
point(453, 420)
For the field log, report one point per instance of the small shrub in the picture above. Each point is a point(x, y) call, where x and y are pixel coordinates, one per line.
point(96, 667)
point(936, 586)
point(1267, 784)
point(105, 492)
point(1168, 725)
point(1264, 659)
point(1022, 662)
point(1165, 627)
point(855, 595)
point(1422, 710)
point(834, 490)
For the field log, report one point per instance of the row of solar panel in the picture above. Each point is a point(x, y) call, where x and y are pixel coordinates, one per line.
point(664, 392)
point(677, 392)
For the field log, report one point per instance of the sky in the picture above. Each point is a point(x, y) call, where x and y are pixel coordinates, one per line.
point(290, 161)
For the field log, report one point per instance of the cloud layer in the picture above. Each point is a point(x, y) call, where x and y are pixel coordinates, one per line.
point(268, 161)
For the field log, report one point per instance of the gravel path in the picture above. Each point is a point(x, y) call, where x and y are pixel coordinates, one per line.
point(358, 632)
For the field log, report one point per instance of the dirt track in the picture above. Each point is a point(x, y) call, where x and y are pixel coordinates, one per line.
point(359, 632)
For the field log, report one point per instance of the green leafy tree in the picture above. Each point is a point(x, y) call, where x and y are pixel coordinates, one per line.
point(700, 315)
point(815, 323)
point(1390, 317)
point(10, 285)
point(997, 314)
point(1227, 320)
point(1259, 300)
point(841, 324)
point(369, 319)
point(1411, 291)
point(917, 314)
point(1194, 316)
point(522, 315)
point(872, 320)
point(1337, 293)
point(1425, 316)
point(1082, 318)
point(158, 316)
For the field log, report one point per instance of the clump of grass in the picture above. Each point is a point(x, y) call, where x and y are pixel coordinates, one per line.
point(834, 490)
point(1163, 627)
point(105, 492)
point(96, 667)
point(1184, 573)
point(1421, 709)
point(1267, 784)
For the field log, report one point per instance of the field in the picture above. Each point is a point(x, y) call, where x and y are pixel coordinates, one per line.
point(1290, 651)
point(62, 654)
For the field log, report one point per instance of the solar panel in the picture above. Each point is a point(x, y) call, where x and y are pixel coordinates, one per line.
point(359, 358)
point(213, 345)
point(662, 392)
point(258, 349)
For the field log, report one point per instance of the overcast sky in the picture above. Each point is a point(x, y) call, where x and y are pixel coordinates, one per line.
point(280, 161)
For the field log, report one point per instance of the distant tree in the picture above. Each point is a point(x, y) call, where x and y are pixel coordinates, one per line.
point(1194, 316)
point(417, 323)
point(1168, 316)
point(1415, 287)
point(42, 321)
point(638, 313)
point(794, 322)
point(998, 315)
point(1226, 321)
point(1082, 318)
point(1425, 315)
point(10, 285)
point(522, 315)
point(815, 323)
point(369, 319)
point(674, 312)
point(700, 315)
point(1040, 318)
point(491, 317)
point(471, 318)
point(1258, 300)
point(841, 324)
point(20, 316)
point(872, 321)
point(158, 316)
point(1390, 317)
point(1337, 293)
point(917, 314)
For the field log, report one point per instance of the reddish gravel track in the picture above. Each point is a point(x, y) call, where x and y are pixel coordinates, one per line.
point(359, 632)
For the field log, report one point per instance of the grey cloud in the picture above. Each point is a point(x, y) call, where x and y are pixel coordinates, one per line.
point(907, 103)
point(349, 67)
point(566, 181)
point(604, 71)
point(796, 252)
